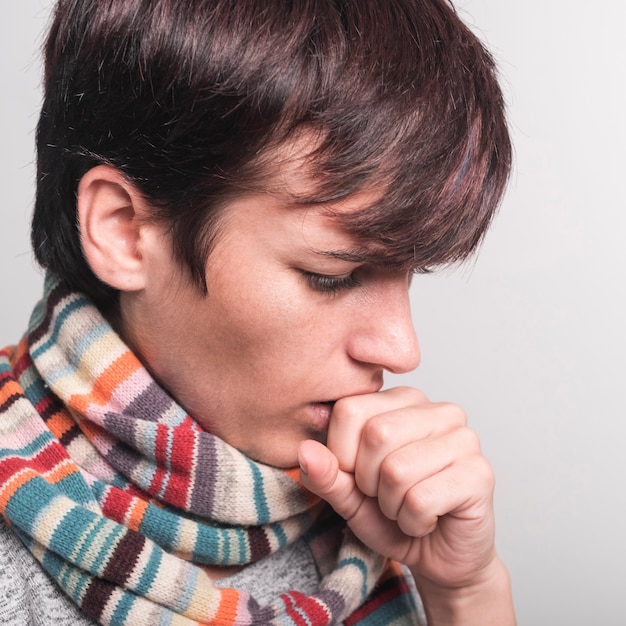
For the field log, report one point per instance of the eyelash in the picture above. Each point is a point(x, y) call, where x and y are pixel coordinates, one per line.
point(330, 284)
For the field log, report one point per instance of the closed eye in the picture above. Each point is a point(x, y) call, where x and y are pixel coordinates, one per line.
point(329, 284)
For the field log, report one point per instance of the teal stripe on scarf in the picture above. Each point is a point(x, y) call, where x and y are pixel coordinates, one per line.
point(148, 575)
point(122, 609)
point(105, 535)
point(361, 566)
point(29, 503)
point(70, 578)
point(31, 449)
point(260, 499)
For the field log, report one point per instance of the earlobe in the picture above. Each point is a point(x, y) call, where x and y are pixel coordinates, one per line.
point(109, 219)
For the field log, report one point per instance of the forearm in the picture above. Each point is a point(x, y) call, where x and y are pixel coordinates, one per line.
point(487, 603)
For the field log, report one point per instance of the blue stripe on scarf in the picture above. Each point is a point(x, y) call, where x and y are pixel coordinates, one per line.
point(79, 350)
point(182, 603)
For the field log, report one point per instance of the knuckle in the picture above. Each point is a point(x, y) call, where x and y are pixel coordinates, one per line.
point(377, 433)
point(418, 517)
point(347, 409)
point(469, 439)
point(395, 470)
point(454, 413)
point(419, 500)
point(414, 396)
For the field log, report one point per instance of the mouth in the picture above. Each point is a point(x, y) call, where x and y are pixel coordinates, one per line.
point(321, 413)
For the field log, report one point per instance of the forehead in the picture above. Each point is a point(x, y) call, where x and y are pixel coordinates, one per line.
point(317, 230)
point(294, 182)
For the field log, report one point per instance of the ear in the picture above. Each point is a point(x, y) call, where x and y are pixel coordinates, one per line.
point(110, 213)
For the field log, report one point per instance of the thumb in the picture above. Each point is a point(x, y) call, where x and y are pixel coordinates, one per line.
point(321, 475)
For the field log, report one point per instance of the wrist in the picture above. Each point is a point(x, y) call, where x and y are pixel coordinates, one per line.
point(487, 600)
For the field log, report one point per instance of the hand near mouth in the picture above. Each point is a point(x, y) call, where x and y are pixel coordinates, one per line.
point(409, 477)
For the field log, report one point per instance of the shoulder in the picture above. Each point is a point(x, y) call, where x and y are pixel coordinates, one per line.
point(27, 594)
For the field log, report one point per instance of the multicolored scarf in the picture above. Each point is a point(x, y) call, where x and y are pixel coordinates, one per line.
point(122, 497)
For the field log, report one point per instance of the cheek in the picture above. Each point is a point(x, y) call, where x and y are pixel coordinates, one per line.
point(258, 315)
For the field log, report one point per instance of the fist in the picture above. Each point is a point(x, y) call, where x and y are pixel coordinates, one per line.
point(408, 476)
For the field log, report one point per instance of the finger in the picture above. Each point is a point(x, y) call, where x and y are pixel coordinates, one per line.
point(321, 475)
point(411, 464)
point(462, 491)
point(384, 435)
point(350, 414)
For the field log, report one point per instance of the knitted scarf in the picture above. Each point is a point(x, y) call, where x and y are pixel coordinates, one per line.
point(122, 497)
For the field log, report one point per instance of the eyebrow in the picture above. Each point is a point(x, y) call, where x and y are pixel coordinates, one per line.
point(351, 256)
point(356, 255)
point(365, 256)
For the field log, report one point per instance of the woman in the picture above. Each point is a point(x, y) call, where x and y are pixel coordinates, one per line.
point(231, 199)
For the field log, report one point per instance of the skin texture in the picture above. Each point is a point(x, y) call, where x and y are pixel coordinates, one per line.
point(286, 327)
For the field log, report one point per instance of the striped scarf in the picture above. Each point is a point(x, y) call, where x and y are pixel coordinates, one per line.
point(122, 497)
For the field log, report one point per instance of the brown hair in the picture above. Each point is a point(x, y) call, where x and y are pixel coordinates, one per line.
point(190, 99)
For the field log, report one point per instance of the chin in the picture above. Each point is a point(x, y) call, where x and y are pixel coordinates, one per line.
point(284, 454)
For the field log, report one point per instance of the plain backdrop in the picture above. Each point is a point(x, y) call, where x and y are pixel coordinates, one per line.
point(530, 338)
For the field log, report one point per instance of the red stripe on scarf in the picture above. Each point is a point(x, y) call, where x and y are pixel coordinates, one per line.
point(298, 604)
point(184, 444)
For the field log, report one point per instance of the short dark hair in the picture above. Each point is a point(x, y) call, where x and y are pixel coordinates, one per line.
point(187, 99)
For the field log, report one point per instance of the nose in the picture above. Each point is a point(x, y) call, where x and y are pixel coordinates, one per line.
point(383, 332)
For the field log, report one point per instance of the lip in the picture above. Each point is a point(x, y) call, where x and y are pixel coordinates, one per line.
point(320, 413)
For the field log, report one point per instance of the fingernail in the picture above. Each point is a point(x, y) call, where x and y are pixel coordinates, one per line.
point(304, 469)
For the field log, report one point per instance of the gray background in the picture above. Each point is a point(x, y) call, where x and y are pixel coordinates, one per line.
point(530, 338)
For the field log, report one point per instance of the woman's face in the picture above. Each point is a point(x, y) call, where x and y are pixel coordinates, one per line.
point(290, 324)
